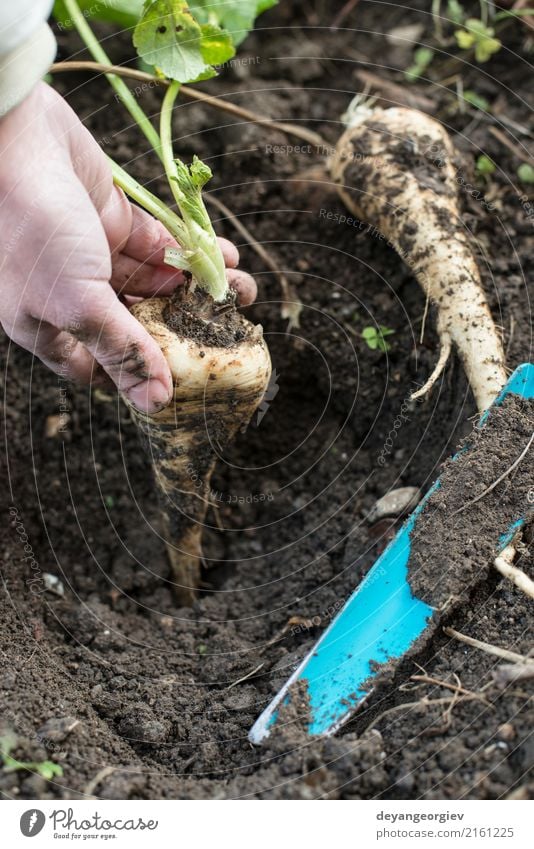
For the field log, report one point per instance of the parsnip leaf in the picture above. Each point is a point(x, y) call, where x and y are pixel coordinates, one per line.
point(235, 16)
point(168, 37)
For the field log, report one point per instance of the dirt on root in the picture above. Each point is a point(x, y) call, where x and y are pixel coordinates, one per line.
point(195, 315)
point(165, 696)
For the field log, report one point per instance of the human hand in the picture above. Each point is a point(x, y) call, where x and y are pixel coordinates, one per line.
point(72, 242)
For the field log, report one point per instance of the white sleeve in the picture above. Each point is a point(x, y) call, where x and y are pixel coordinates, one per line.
point(19, 19)
point(27, 49)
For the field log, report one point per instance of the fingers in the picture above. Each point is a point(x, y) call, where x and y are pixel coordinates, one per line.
point(124, 349)
point(59, 351)
point(137, 242)
point(244, 284)
point(130, 277)
point(229, 252)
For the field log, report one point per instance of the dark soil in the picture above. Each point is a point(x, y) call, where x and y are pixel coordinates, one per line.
point(195, 315)
point(165, 695)
point(469, 513)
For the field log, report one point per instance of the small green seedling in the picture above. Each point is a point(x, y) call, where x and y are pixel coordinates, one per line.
point(484, 166)
point(375, 338)
point(46, 769)
point(476, 100)
point(422, 58)
point(479, 36)
point(525, 172)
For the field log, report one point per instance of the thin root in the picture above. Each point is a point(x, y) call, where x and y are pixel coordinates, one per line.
point(291, 305)
point(423, 322)
point(511, 673)
point(247, 676)
point(456, 688)
point(504, 564)
point(446, 347)
point(422, 704)
point(505, 654)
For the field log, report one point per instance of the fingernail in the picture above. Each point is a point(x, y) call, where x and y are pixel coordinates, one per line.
point(149, 397)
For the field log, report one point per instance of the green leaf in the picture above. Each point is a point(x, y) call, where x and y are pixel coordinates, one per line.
point(484, 165)
point(168, 37)
point(485, 49)
point(480, 36)
point(49, 770)
point(375, 337)
point(422, 58)
point(455, 11)
point(125, 13)
point(190, 182)
point(477, 100)
point(464, 39)
point(46, 769)
point(525, 172)
point(235, 16)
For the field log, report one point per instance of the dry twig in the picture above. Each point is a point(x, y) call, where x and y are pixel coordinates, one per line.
point(520, 154)
point(397, 94)
point(194, 94)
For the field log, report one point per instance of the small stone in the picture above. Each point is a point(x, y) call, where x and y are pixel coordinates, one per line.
point(54, 425)
point(53, 584)
point(506, 731)
point(395, 503)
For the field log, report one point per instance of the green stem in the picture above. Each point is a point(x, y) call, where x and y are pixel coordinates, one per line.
point(205, 257)
point(165, 134)
point(436, 16)
point(123, 92)
point(150, 202)
point(197, 238)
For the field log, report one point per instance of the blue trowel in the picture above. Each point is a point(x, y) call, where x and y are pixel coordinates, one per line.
point(381, 621)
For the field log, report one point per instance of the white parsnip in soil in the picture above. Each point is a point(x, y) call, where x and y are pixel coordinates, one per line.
point(394, 169)
point(220, 367)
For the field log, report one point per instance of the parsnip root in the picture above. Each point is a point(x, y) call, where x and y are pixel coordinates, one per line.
point(504, 564)
point(394, 169)
point(218, 384)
